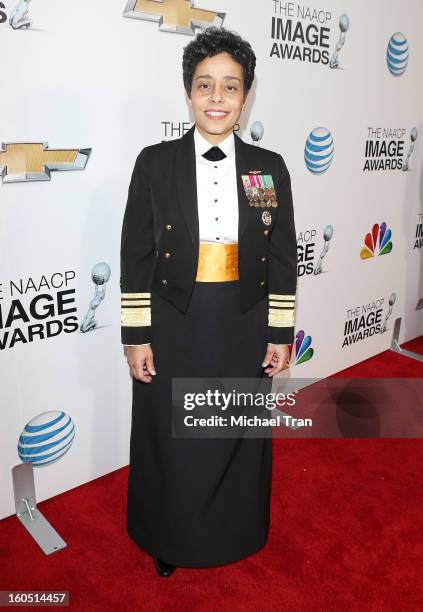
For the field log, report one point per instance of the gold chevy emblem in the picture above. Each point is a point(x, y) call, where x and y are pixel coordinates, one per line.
point(33, 161)
point(173, 15)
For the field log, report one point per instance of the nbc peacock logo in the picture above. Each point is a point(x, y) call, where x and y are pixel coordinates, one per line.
point(397, 54)
point(377, 242)
point(319, 150)
point(303, 351)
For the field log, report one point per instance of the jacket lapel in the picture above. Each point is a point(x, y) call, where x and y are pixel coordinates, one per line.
point(185, 184)
point(243, 163)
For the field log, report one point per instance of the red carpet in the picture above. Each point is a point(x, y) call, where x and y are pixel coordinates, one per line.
point(346, 534)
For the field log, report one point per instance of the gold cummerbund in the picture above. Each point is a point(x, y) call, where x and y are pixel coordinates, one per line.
point(217, 262)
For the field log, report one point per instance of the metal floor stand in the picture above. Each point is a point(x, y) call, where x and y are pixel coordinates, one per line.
point(27, 512)
point(395, 344)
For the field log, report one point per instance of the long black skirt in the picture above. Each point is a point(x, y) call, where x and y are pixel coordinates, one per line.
point(199, 502)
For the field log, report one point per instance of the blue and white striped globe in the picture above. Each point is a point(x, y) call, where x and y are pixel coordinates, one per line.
point(319, 150)
point(46, 438)
point(397, 54)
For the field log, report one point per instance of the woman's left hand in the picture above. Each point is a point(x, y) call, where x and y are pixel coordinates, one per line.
point(277, 355)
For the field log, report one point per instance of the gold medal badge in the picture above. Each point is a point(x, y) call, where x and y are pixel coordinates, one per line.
point(266, 217)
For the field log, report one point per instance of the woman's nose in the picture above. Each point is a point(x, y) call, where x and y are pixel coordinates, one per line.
point(216, 95)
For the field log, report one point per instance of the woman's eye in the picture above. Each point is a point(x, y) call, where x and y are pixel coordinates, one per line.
point(206, 86)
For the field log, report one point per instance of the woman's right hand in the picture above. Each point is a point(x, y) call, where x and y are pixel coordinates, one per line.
point(140, 361)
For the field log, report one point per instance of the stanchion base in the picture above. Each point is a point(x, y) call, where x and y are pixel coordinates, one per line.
point(395, 344)
point(27, 512)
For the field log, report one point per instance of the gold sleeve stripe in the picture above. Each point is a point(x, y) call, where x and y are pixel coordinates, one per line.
point(136, 311)
point(281, 319)
point(135, 317)
point(281, 310)
point(143, 302)
point(279, 296)
point(135, 324)
point(282, 304)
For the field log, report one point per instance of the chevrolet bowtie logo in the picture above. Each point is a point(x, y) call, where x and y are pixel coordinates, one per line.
point(173, 15)
point(33, 161)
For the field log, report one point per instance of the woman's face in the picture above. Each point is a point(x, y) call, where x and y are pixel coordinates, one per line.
point(217, 96)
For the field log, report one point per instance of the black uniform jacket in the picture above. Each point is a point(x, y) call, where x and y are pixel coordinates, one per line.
point(160, 237)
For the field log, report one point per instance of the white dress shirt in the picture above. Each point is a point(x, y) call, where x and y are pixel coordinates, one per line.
point(217, 193)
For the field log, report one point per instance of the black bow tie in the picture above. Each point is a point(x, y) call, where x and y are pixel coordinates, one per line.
point(214, 154)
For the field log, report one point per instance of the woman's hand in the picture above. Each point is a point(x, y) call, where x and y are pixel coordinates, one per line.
point(278, 357)
point(140, 361)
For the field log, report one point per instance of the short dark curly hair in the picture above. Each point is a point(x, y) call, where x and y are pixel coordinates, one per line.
point(214, 40)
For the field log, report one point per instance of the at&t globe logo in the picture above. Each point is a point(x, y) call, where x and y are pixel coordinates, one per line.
point(319, 150)
point(46, 438)
point(397, 54)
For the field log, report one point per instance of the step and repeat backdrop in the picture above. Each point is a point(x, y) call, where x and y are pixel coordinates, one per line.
point(85, 86)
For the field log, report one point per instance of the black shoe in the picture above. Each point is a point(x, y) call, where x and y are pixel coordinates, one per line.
point(163, 568)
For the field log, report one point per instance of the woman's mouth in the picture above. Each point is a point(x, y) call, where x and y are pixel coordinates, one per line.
point(216, 115)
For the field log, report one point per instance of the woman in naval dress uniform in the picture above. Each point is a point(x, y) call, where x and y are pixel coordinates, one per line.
point(224, 308)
